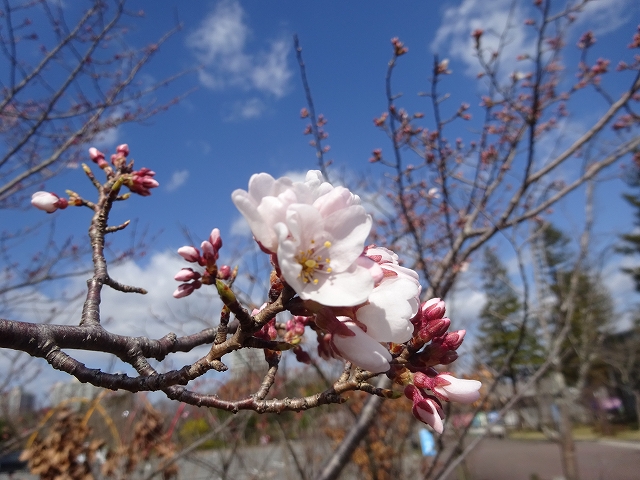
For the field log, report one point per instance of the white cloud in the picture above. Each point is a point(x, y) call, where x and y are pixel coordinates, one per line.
point(220, 43)
point(246, 109)
point(240, 227)
point(605, 16)
point(106, 139)
point(453, 38)
point(178, 178)
point(153, 315)
point(156, 313)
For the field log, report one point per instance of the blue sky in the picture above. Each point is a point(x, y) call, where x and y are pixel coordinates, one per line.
point(243, 117)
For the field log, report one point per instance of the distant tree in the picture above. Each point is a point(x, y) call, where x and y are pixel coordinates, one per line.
point(500, 330)
point(577, 320)
point(592, 310)
point(631, 240)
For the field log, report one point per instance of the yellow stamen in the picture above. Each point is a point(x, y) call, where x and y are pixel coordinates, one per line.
point(314, 262)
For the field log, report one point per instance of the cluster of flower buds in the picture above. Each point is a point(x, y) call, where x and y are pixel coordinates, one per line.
point(118, 159)
point(445, 387)
point(432, 345)
point(294, 333)
point(139, 181)
point(142, 181)
point(430, 325)
point(207, 259)
point(429, 322)
point(48, 201)
point(398, 47)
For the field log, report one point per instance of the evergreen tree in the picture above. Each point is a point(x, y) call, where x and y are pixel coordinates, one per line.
point(631, 241)
point(500, 329)
point(592, 304)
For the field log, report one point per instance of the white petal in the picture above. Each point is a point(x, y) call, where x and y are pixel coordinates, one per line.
point(341, 289)
point(386, 254)
point(249, 209)
point(362, 350)
point(459, 390)
point(349, 228)
point(335, 200)
point(391, 306)
point(432, 419)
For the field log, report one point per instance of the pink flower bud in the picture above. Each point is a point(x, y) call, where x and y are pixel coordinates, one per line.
point(301, 355)
point(183, 290)
point(454, 389)
point(454, 339)
point(190, 254)
point(209, 253)
point(432, 309)
point(95, 154)
point(186, 275)
point(224, 272)
point(215, 239)
point(142, 181)
point(434, 328)
point(47, 201)
point(426, 408)
point(123, 149)
point(448, 357)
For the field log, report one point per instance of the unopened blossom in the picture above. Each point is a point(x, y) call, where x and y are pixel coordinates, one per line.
point(224, 272)
point(98, 157)
point(441, 351)
point(186, 275)
point(123, 149)
point(142, 181)
point(361, 349)
point(449, 388)
point(430, 321)
point(47, 201)
point(455, 389)
point(186, 289)
point(190, 254)
point(426, 408)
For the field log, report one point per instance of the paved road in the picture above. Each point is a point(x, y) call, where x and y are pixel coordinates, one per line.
point(518, 460)
point(492, 460)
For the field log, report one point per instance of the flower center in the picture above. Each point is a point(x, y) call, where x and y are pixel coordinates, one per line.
point(314, 261)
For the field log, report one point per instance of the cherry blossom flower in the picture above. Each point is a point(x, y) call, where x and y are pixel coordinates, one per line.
point(319, 256)
point(393, 302)
point(47, 201)
point(266, 202)
point(317, 232)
